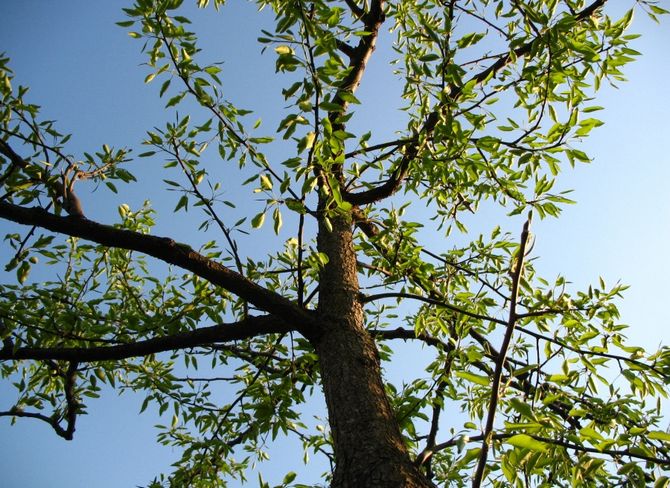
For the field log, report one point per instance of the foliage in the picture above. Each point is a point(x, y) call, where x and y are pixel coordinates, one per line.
point(497, 95)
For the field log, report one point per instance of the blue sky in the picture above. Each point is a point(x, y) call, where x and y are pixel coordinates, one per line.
point(85, 72)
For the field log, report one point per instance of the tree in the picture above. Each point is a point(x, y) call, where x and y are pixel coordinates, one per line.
point(543, 373)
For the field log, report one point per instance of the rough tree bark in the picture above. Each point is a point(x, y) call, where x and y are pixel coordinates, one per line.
point(368, 446)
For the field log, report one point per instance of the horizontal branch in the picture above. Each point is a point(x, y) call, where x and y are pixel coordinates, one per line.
point(52, 421)
point(166, 250)
point(408, 334)
point(431, 301)
point(246, 328)
point(586, 352)
point(382, 145)
point(561, 443)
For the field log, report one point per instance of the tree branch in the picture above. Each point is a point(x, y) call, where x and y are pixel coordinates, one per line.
point(382, 145)
point(166, 250)
point(517, 273)
point(71, 406)
point(15, 160)
point(360, 55)
point(431, 301)
point(347, 49)
point(408, 334)
point(52, 421)
point(586, 352)
point(248, 327)
point(561, 443)
point(71, 402)
point(355, 9)
point(392, 185)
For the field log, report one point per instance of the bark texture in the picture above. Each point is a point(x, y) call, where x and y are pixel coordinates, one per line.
point(369, 449)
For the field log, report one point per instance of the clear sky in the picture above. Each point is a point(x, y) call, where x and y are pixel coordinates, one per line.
point(85, 72)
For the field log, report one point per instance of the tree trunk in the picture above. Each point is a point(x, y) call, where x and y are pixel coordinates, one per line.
point(369, 450)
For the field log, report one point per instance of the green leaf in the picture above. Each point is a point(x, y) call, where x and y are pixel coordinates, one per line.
point(328, 224)
point(469, 39)
point(182, 203)
point(266, 182)
point(212, 70)
point(659, 435)
point(306, 142)
point(175, 100)
point(429, 57)
point(283, 50)
point(534, 426)
point(164, 87)
point(23, 271)
point(474, 378)
point(348, 97)
point(257, 221)
point(277, 220)
point(527, 442)
point(290, 476)
point(522, 407)
point(662, 482)
point(590, 434)
point(331, 107)
point(295, 205)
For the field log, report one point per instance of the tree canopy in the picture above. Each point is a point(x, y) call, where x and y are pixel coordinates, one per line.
point(365, 245)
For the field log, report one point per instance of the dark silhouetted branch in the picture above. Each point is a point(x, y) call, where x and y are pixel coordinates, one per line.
point(246, 328)
point(431, 301)
point(390, 186)
point(166, 250)
point(517, 273)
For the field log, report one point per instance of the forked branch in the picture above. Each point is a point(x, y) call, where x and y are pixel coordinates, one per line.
point(166, 250)
point(390, 186)
point(71, 407)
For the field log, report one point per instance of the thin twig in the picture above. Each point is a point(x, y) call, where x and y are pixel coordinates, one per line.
point(432, 301)
point(517, 273)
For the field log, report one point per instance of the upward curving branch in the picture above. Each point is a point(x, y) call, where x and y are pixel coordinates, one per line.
point(166, 250)
point(372, 20)
point(390, 186)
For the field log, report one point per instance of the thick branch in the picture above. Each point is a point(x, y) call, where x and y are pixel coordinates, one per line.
point(355, 9)
point(249, 327)
point(166, 250)
point(390, 186)
point(360, 55)
point(71, 402)
point(408, 334)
